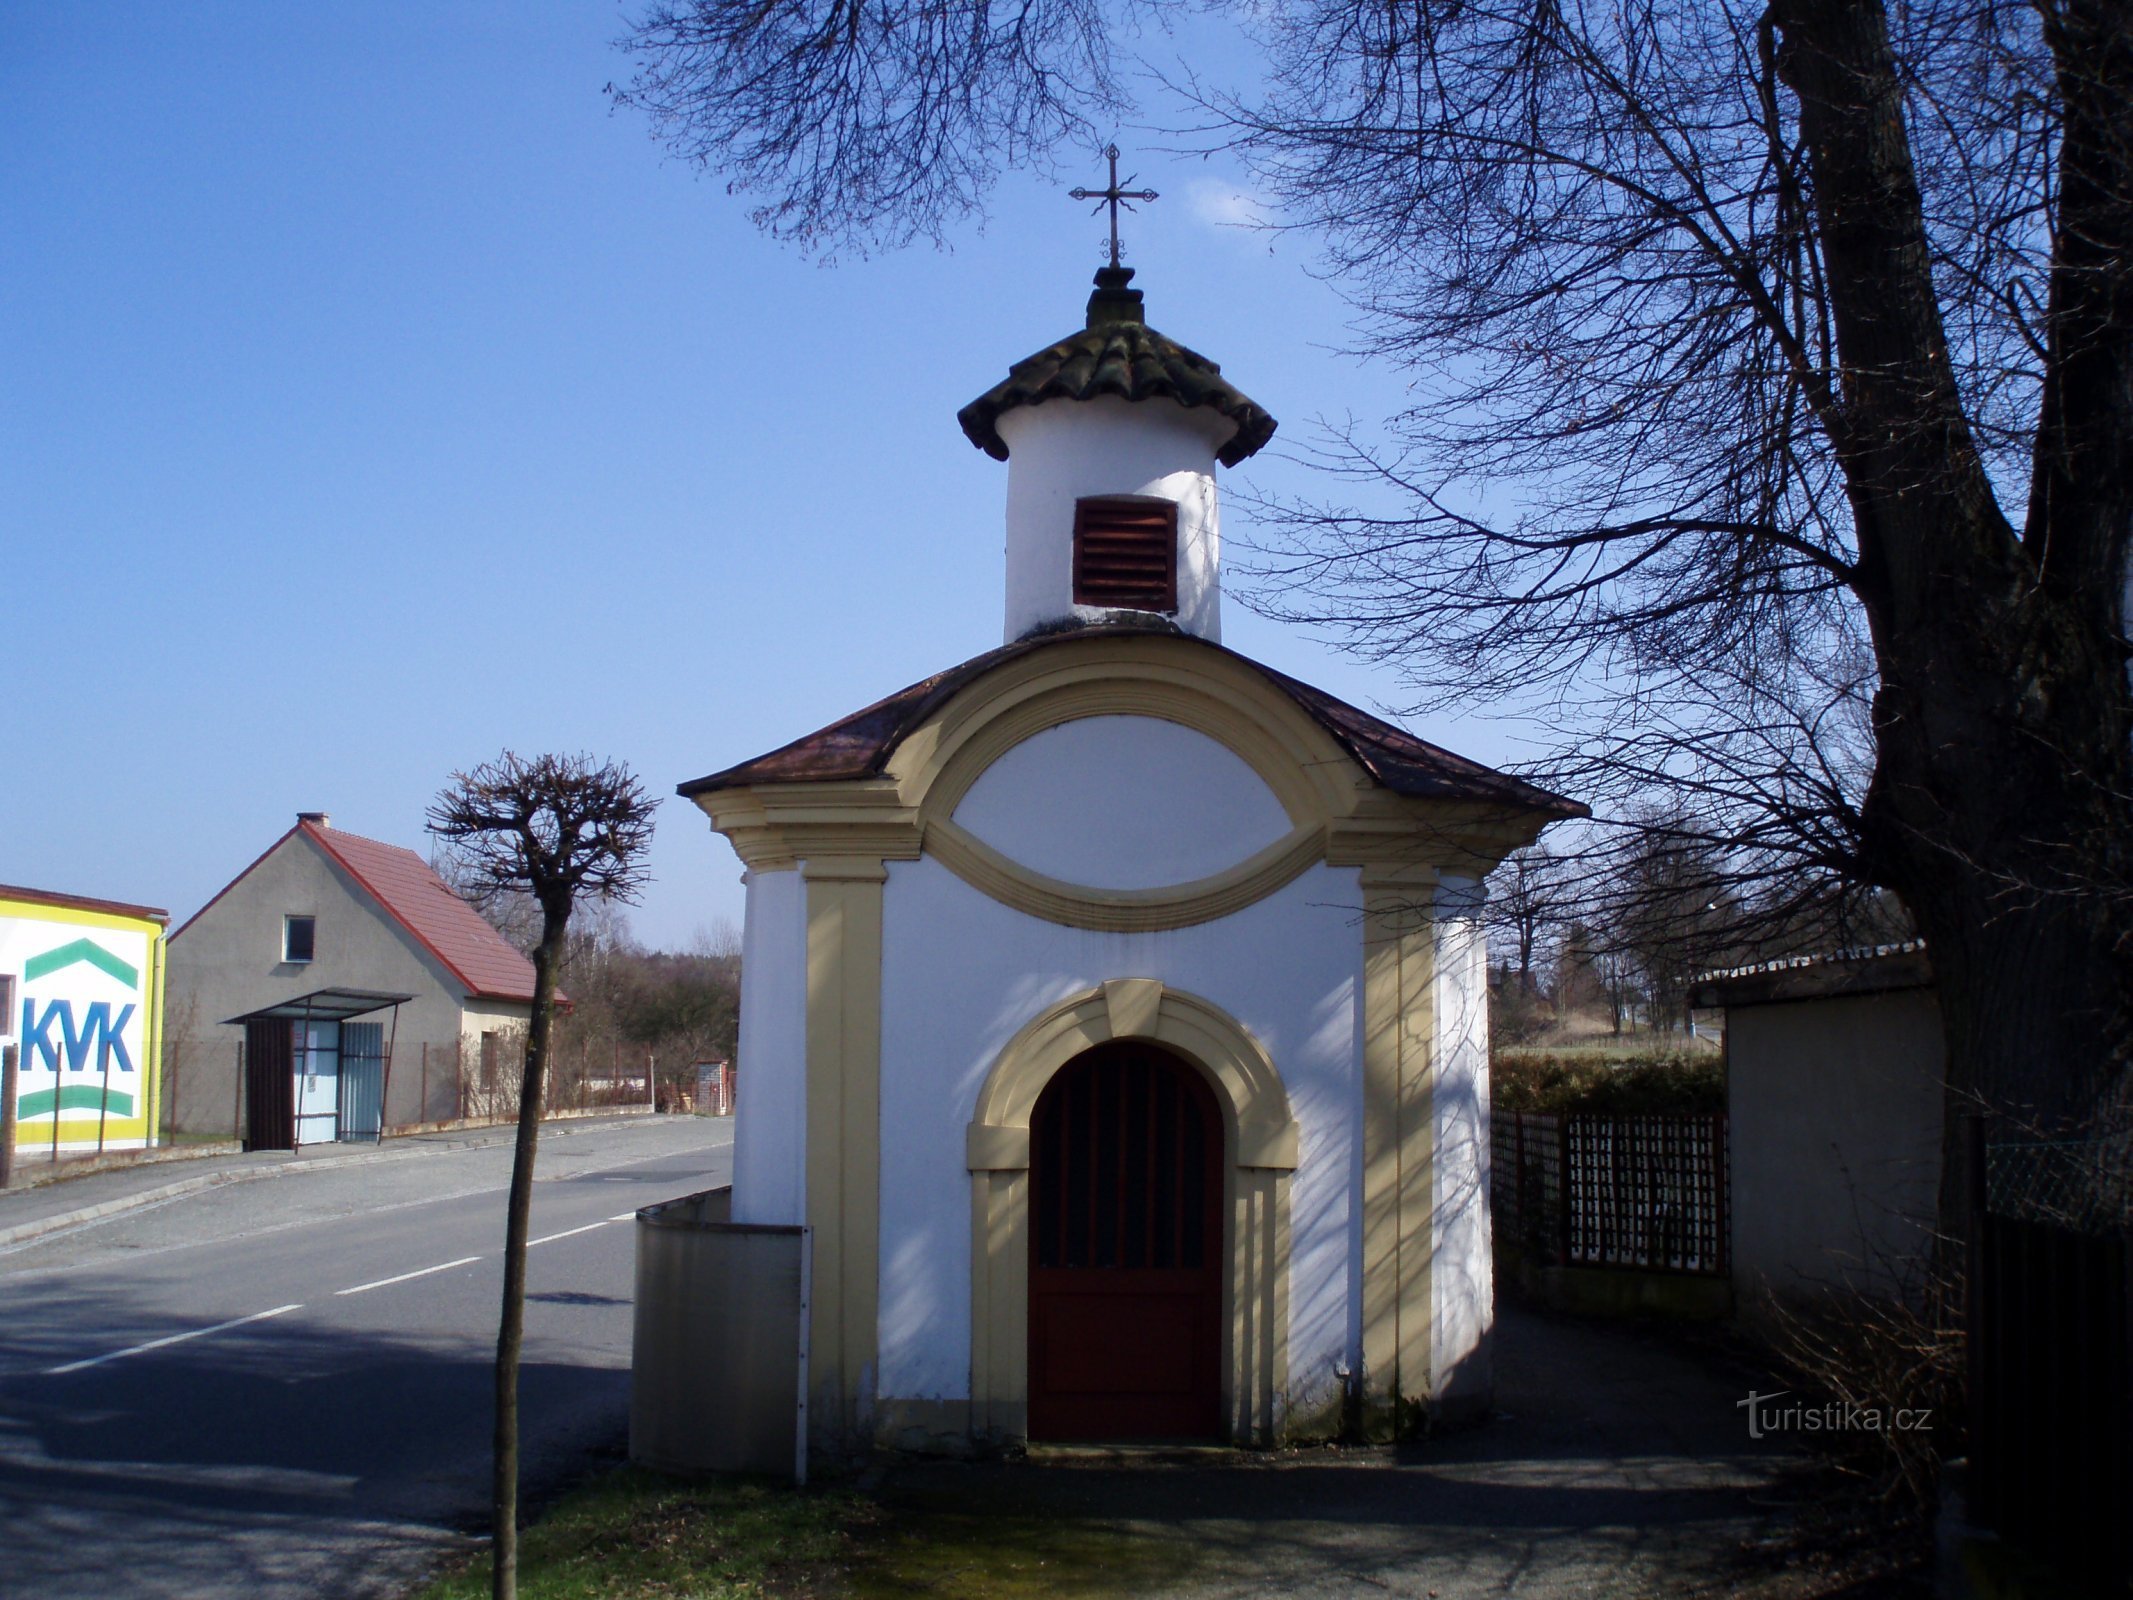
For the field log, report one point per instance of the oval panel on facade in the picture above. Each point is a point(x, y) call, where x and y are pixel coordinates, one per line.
point(1123, 803)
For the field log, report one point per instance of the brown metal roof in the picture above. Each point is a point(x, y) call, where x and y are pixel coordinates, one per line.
point(1117, 354)
point(81, 902)
point(861, 744)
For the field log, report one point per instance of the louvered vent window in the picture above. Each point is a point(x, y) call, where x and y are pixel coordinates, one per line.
point(1126, 554)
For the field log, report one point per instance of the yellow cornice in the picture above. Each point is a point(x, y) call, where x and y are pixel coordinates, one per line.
point(774, 827)
point(1338, 814)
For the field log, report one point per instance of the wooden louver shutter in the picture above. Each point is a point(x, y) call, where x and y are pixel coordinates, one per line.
point(1126, 554)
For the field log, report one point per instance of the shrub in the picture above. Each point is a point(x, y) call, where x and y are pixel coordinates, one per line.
point(1526, 1082)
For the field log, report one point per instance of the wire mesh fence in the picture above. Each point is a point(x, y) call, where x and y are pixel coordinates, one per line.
point(1645, 1192)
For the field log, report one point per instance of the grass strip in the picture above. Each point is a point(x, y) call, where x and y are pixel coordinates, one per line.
point(636, 1535)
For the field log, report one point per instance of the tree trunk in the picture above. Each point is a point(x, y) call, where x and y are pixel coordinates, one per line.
point(511, 1325)
point(2000, 806)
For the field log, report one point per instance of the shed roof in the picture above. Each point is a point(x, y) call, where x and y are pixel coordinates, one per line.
point(1117, 354)
point(80, 902)
point(1875, 969)
point(408, 891)
point(860, 745)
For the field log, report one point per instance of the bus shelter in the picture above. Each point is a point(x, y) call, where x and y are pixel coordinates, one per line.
point(315, 1071)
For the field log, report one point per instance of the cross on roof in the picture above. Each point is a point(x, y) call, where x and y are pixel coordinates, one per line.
point(1114, 197)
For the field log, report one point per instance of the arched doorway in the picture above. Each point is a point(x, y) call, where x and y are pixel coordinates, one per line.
point(1126, 1249)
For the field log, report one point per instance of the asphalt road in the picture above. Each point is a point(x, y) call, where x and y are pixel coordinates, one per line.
point(282, 1388)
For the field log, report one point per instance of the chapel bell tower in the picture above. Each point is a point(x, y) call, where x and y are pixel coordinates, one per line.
point(1111, 438)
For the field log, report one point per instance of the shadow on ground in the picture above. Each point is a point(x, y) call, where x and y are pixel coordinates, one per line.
point(1616, 1463)
point(289, 1459)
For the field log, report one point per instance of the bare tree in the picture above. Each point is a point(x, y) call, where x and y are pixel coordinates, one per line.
point(1767, 312)
point(560, 828)
point(867, 124)
point(1528, 896)
point(1774, 418)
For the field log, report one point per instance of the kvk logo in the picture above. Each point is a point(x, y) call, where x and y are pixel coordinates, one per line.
point(94, 1041)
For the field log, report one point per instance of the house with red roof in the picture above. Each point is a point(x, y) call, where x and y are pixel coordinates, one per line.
point(335, 988)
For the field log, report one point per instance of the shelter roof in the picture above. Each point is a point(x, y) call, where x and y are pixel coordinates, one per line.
point(860, 745)
point(326, 1005)
point(1117, 354)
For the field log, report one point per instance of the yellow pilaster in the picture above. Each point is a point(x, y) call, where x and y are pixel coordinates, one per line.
point(1398, 1021)
point(843, 1139)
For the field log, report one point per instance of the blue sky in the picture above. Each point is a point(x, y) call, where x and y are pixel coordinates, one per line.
point(373, 399)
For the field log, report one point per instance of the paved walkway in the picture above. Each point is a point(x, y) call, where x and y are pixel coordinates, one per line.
point(26, 1213)
point(1618, 1464)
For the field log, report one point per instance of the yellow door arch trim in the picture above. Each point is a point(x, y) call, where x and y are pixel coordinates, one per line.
point(1260, 1141)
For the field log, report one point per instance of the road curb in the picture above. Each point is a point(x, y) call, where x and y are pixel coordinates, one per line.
point(278, 1169)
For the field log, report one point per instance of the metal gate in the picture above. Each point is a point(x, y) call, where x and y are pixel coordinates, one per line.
point(269, 1089)
point(362, 1100)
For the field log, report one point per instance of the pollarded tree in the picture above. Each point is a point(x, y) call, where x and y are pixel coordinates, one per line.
point(1777, 420)
point(560, 829)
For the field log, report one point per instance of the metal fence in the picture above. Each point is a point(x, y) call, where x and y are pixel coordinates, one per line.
point(1645, 1192)
point(2051, 1349)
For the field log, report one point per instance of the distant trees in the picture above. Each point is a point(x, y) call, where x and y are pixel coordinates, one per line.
point(558, 830)
point(627, 1001)
point(1627, 918)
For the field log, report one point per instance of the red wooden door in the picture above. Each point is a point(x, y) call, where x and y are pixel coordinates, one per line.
point(1125, 1284)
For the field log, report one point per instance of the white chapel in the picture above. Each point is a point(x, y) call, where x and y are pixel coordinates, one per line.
point(1114, 1011)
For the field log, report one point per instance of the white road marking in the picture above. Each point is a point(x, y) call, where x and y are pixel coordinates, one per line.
point(424, 1272)
point(175, 1338)
point(627, 1216)
point(567, 1232)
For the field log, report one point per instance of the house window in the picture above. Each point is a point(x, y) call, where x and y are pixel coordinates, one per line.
point(492, 1047)
point(299, 938)
point(1126, 554)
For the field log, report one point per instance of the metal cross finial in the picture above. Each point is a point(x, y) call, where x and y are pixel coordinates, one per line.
point(1114, 197)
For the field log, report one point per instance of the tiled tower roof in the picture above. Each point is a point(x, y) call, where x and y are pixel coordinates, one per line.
point(1118, 354)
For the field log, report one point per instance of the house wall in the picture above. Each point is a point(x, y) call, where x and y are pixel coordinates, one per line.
point(227, 962)
point(1836, 1109)
point(82, 1024)
point(961, 975)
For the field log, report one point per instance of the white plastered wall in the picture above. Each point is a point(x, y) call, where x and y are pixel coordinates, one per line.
point(1074, 803)
point(1065, 450)
point(770, 1121)
point(1846, 1099)
point(961, 975)
point(1461, 1283)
